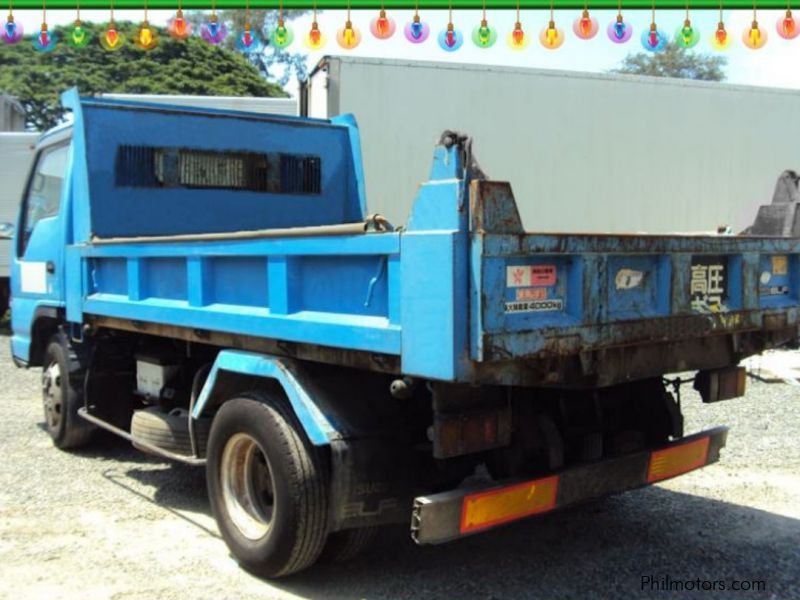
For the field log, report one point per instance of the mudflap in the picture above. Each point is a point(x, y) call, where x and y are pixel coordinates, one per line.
point(372, 483)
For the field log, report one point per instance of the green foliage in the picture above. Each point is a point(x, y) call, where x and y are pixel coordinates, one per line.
point(675, 61)
point(191, 67)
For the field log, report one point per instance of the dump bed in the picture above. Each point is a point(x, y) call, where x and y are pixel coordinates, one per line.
point(250, 231)
point(622, 305)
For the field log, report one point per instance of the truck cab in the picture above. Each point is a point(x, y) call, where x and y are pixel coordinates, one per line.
point(41, 233)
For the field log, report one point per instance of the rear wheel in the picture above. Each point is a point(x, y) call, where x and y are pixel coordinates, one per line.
point(62, 395)
point(268, 486)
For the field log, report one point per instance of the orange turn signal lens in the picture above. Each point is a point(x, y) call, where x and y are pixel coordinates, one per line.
point(677, 460)
point(487, 509)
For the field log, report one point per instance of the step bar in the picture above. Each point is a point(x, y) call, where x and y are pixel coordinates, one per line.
point(447, 516)
point(147, 447)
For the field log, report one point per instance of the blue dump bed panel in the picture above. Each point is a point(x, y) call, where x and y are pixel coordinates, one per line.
point(330, 291)
point(462, 293)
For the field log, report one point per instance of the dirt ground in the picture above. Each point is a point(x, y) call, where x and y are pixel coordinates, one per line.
point(109, 522)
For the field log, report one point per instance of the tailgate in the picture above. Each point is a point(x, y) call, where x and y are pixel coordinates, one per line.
point(552, 295)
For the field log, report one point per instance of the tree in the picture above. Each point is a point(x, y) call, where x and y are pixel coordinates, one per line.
point(274, 63)
point(675, 61)
point(190, 67)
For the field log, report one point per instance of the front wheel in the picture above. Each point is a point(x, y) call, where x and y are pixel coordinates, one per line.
point(62, 395)
point(267, 485)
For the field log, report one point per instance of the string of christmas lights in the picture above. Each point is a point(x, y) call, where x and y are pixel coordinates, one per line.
point(383, 27)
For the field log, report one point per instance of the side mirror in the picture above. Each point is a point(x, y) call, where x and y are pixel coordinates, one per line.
point(6, 231)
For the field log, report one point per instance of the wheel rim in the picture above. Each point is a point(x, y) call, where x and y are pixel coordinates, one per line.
point(52, 395)
point(247, 486)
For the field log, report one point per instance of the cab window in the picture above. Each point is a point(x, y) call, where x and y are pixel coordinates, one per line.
point(43, 197)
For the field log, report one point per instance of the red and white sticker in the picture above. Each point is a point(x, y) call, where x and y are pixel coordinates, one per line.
point(531, 275)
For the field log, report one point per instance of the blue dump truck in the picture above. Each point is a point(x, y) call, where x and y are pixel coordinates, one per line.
point(211, 286)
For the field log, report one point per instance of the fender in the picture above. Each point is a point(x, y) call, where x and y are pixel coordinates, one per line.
point(289, 374)
point(24, 320)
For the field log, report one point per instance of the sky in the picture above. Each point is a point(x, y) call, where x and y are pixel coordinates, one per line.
point(777, 64)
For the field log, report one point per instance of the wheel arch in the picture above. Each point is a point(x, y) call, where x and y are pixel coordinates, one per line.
point(46, 323)
point(236, 371)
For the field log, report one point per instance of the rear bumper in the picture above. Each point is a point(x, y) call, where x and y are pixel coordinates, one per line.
point(450, 515)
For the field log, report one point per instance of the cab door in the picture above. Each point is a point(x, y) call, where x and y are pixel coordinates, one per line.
point(37, 281)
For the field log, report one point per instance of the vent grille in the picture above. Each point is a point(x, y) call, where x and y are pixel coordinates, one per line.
point(154, 167)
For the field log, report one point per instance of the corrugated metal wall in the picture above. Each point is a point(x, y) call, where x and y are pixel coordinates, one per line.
point(583, 152)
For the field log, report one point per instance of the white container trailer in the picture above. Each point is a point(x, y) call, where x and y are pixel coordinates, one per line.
point(12, 115)
point(584, 152)
point(16, 156)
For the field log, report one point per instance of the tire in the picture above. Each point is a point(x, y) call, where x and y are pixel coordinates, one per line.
point(169, 430)
point(345, 545)
point(256, 444)
point(5, 296)
point(62, 395)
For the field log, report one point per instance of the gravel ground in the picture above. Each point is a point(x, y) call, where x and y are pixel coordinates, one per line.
point(110, 522)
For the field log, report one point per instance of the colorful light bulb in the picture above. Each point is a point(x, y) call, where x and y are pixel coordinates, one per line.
point(754, 37)
point(382, 27)
point(687, 36)
point(450, 38)
point(551, 37)
point(314, 38)
point(145, 38)
point(43, 40)
point(248, 41)
point(585, 26)
point(518, 39)
point(78, 37)
point(348, 36)
point(653, 39)
point(12, 31)
point(720, 40)
point(111, 40)
point(416, 31)
point(212, 31)
point(281, 36)
point(178, 27)
point(787, 26)
point(619, 31)
point(484, 36)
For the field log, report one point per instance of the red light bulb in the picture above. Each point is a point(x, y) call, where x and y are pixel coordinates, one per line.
point(382, 24)
point(586, 25)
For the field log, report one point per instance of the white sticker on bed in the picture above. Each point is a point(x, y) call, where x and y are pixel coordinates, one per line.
point(33, 277)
